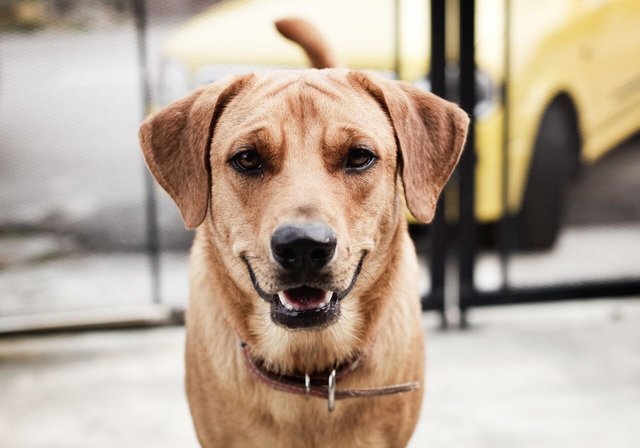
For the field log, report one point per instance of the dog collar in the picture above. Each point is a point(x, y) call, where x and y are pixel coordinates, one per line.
point(321, 385)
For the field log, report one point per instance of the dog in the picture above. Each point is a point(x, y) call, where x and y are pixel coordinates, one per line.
point(304, 324)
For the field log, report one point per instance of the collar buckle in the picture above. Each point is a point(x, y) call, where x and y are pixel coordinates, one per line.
point(307, 384)
point(331, 391)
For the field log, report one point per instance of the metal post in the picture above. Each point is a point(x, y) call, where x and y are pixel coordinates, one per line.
point(397, 39)
point(467, 251)
point(153, 243)
point(438, 255)
point(507, 231)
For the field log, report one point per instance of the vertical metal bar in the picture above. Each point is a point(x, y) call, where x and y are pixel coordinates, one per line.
point(438, 249)
point(153, 244)
point(467, 250)
point(507, 231)
point(397, 39)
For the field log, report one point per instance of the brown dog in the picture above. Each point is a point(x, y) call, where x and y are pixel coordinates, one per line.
point(302, 271)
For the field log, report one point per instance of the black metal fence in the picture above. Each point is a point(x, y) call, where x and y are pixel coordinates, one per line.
point(86, 239)
point(586, 244)
point(82, 232)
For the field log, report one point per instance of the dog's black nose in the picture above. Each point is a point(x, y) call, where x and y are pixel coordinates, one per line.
point(303, 247)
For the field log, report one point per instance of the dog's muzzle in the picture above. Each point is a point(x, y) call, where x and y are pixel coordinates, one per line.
point(307, 305)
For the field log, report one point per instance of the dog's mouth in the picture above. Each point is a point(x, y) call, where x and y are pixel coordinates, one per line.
point(305, 306)
point(304, 298)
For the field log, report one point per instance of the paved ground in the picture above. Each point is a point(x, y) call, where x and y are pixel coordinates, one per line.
point(554, 376)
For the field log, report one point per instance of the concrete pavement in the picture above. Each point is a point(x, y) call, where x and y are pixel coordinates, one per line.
point(553, 376)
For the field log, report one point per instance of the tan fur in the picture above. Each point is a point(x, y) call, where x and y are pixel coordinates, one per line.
point(303, 123)
point(305, 34)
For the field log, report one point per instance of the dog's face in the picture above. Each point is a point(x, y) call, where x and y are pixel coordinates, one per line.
point(297, 177)
point(303, 189)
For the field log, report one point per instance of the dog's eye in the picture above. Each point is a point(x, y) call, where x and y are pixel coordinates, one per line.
point(247, 161)
point(359, 159)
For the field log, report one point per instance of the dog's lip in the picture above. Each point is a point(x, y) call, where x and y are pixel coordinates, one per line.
point(304, 298)
point(319, 309)
point(274, 298)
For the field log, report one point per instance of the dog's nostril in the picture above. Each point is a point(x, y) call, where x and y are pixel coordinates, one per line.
point(319, 255)
point(287, 254)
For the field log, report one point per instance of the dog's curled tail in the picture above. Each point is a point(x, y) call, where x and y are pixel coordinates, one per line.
point(305, 34)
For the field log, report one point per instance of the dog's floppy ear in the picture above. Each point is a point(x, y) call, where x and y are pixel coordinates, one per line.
point(175, 142)
point(430, 133)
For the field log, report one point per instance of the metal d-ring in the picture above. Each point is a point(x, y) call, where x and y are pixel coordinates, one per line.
point(331, 395)
point(307, 384)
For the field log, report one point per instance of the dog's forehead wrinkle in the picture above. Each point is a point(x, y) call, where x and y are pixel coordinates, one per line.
point(321, 89)
point(273, 85)
point(306, 84)
point(313, 99)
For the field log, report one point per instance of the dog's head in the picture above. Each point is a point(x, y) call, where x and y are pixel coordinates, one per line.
point(298, 177)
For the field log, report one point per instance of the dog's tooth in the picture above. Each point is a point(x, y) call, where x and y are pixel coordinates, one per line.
point(327, 297)
point(284, 301)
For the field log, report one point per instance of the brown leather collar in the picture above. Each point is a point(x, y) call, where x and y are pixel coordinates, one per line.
point(321, 386)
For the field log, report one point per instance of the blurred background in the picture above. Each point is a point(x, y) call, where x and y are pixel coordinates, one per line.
point(545, 207)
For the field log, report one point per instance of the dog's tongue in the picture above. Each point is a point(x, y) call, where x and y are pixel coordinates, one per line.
point(304, 298)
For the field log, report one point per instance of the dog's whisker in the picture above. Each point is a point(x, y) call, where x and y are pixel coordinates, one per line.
point(269, 326)
point(367, 274)
point(236, 260)
point(244, 276)
point(232, 266)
